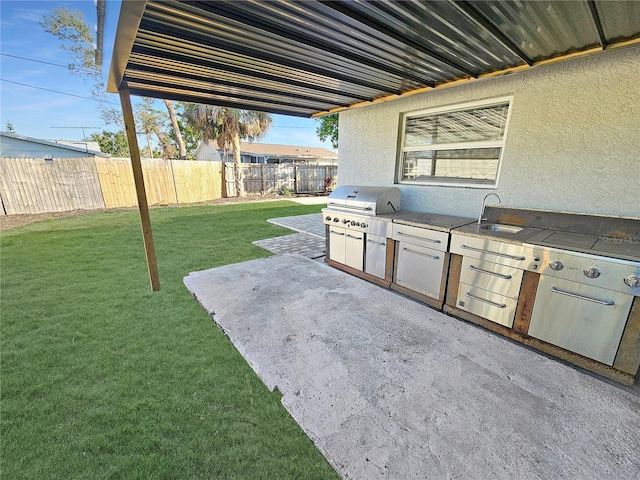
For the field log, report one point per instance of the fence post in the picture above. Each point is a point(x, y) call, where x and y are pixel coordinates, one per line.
point(173, 177)
point(263, 180)
point(223, 173)
point(295, 178)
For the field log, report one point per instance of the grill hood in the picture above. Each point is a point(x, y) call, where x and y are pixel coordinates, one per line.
point(365, 200)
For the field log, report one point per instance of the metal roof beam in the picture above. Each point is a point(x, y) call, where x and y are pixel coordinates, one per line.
point(263, 23)
point(131, 73)
point(260, 54)
point(375, 24)
point(144, 92)
point(244, 71)
point(597, 23)
point(167, 87)
point(480, 19)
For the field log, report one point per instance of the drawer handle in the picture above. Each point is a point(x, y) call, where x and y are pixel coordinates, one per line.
point(582, 297)
point(419, 238)
point(489, 302)
point(488, 272)
point(351, 236)
point(435, 257)
point(512, 257)
point(336, 233)
point(374, 242)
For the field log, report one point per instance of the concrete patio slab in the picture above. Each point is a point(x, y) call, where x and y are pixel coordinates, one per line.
point(388, 388)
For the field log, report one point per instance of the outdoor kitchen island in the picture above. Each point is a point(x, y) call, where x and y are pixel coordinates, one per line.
point(565, 284)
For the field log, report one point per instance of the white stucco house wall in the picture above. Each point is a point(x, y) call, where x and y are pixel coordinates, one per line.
point(18, 146)
point(572, 141)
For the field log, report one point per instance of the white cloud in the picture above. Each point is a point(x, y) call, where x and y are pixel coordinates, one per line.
point(29, 15)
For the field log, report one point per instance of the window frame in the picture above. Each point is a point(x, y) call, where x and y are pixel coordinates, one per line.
point(437, 181)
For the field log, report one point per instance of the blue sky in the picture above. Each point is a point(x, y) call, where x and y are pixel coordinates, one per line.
point(34, 112)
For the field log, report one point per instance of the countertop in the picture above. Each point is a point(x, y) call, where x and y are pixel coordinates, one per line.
point(475, 230)
point(592, 234)
point(432, 221)
point(620, 248)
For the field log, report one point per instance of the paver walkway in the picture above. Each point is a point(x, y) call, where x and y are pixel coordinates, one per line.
point(309, 242)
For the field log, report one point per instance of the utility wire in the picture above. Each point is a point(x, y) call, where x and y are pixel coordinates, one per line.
point(56, 91)
point(48, 63)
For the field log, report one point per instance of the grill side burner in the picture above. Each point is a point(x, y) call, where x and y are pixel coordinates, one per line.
point(583, 301)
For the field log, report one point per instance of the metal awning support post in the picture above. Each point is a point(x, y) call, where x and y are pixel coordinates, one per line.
point(143, 207)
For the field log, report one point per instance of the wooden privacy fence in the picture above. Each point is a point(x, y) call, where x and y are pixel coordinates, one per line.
point(278, 178)
point(36, 185)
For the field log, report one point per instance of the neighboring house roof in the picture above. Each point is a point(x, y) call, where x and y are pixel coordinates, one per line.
point(83, 145)
point(274, 150)
point(14, 145)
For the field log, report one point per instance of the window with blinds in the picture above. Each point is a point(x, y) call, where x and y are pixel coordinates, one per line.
point(460, 145)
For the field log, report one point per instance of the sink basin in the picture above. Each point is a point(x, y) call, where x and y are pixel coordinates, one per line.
point(494, 227)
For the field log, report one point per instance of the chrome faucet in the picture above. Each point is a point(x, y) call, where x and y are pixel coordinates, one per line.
point(484, 200)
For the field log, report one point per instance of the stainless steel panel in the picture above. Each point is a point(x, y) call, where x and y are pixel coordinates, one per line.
point(375, 255)
point(354, 249)
point(489, 305)
point(337, 245)
point(491, 276)
point(379, 227)
point(515, 255)
point(580, 318)
point(419, 268)
point(578, 267)
point(420, 236)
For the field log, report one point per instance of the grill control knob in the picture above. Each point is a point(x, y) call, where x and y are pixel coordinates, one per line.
point(632, 281)
point(345, 221)
point(353, 223)
point(591, 272)
point(363, 225)
point(336, 219)
point(556, 265)
point(328, 219)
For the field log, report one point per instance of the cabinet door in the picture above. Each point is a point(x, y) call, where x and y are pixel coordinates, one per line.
point(354, 250)
point(419, 269)
point(375, 255)
point(337, 244)
point(580, 318)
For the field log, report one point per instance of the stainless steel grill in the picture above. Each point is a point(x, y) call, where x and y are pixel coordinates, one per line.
point(352, 219)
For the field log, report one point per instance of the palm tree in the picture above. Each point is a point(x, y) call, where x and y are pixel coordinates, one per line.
point(228, 126)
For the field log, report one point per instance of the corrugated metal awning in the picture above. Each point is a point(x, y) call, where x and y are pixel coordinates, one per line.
point(311, 57)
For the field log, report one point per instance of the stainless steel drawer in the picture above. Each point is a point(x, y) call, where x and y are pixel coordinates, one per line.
point(491, 276)
point(420, 236)
point(485, 304)
point(580, 318)
point(419, 268)
point(513, 254)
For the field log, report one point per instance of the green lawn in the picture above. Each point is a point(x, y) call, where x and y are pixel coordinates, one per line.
point(102, 378)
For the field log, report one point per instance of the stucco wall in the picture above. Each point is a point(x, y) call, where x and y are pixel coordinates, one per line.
point(573, 141)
